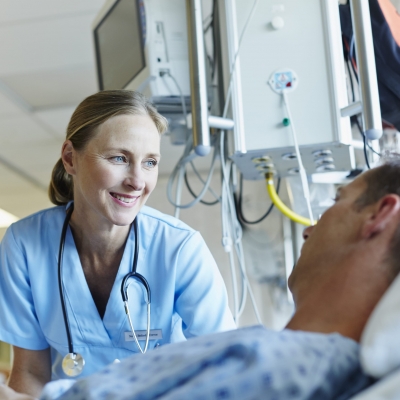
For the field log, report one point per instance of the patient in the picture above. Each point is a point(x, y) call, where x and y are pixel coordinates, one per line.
point(348, 261)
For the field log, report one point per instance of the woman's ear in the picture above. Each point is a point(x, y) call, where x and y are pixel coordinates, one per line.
point(384, 212)
point(68, 157)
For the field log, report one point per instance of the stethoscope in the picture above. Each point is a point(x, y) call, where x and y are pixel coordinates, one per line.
point(73, 362)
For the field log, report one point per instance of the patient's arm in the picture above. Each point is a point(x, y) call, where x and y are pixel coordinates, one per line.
point(7, 393)
point(31, 370)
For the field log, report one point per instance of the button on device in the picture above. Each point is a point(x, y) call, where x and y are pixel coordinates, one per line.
point(278, 23)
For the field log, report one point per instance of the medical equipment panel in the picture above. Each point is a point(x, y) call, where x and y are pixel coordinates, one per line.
point(296, 47)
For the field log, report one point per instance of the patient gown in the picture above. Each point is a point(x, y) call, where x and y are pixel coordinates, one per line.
point(248, 363)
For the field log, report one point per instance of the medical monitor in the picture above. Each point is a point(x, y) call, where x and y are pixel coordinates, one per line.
point(142, 45)
point(119, 45)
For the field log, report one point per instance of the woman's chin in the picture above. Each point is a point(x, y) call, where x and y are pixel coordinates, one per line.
point(124, 219)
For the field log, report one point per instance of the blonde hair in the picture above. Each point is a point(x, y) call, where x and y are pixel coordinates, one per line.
point(90, 113)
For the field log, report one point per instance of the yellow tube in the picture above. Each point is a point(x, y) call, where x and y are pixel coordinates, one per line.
point(280, 205)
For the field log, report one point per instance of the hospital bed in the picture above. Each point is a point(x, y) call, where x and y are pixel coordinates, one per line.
point(243, 356)
point(380, 347)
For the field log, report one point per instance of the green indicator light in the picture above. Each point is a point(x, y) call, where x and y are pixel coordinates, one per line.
point(286, 121)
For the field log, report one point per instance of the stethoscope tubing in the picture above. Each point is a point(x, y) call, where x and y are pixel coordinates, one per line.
point(134, 273)
point(124, 292)
point(124, 286)
point(133, 329)
point(60, 285)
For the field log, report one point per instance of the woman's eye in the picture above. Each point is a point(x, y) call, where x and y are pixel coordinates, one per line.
point(150, 163)
point(119, 159)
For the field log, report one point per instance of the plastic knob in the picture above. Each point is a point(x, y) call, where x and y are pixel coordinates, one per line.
point(278, 23)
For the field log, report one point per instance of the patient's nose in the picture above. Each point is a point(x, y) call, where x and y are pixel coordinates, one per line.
point(307, 232)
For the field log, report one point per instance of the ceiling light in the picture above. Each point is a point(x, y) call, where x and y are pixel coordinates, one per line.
point(6, 219)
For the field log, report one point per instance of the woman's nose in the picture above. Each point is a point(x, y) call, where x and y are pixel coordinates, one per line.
point(135, 179)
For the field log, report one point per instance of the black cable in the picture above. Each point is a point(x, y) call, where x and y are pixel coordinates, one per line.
point(209, 26)
point(214, 43)
point(351, 82)
point(365, 152)
point(195, 196)
point(365, 143)
point(238, 203)
point(363, 135)
point(373, 150)
point(354, 70)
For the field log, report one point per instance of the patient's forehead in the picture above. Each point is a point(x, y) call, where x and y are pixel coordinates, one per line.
point(358, 185)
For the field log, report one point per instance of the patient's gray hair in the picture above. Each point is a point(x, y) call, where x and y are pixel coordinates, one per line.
point(381, 181)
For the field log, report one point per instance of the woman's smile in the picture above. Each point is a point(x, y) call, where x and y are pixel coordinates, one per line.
point(124, 200)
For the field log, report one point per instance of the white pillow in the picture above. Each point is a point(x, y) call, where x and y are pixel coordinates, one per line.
point(380, 341)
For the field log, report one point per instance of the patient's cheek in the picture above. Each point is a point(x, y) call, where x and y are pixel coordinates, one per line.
point(291, 279)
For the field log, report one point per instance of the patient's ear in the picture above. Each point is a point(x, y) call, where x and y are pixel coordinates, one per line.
point(385, 211)
point(67, 156)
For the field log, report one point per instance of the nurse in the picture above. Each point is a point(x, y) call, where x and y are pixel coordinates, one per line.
point(61, 294)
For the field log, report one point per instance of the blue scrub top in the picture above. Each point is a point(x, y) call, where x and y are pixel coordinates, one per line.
point(188, 295)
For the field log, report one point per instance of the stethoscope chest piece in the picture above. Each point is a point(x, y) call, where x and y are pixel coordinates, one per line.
point(73, 364)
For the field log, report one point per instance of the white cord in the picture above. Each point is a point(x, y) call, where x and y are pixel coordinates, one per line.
point(227, 244)
point(203, 182)
point(181, 168)
point(182, 162)
point(302, 171)
point(181, 165)
point(183, 103)
point(234, 288)
point(227, 203)
point(179, 192)
point(232, 228)
point(232, 69)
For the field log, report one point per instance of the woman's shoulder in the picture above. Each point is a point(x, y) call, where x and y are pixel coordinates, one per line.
point(43, 219)
point(152, 216)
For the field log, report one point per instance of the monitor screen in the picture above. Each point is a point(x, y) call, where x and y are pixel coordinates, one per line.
point(119, 45)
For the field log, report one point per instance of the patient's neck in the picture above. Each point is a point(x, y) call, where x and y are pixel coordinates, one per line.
point(329, 320)
point(340, 304)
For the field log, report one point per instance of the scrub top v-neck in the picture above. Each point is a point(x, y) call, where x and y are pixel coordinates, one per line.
point(188, 294)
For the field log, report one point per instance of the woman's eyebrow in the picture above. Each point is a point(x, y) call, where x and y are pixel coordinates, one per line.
point(129, 151)
point(155, 155)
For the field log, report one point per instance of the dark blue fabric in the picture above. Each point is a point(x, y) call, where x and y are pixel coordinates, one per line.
point(387, 59)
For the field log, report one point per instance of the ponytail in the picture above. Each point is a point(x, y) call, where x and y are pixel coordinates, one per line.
point(61, 185)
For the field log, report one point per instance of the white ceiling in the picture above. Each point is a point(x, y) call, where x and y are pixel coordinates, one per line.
point(46, 68)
